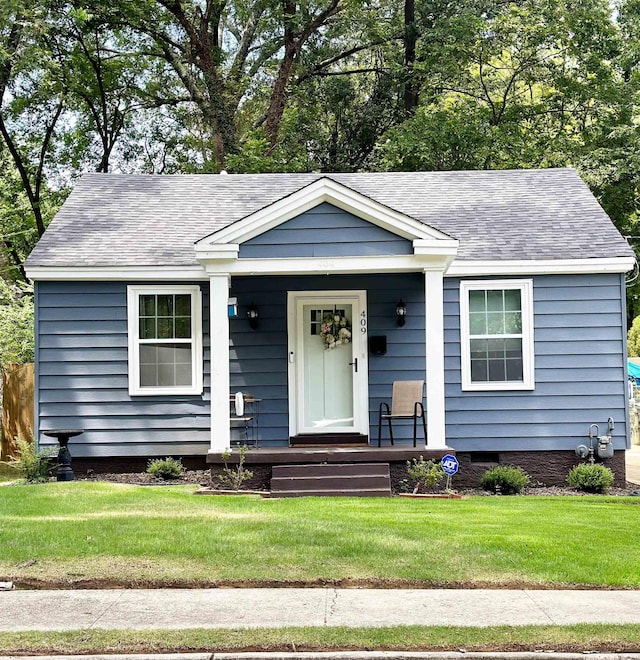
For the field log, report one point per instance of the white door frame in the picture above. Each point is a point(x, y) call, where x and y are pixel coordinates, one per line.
point(359, 327)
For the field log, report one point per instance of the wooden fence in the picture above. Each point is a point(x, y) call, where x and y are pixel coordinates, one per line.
point(17, 406)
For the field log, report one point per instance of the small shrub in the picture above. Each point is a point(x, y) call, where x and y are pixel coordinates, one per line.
point(165, 468)
point(590, 478)
point(32, 464)
point(504, 480)
point(424, 474)
point(233, 478)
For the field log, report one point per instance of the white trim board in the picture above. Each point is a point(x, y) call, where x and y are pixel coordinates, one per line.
point(489, 268)
point(359, 348)
point(525, 286)
point(195, 341)
point(337, 265)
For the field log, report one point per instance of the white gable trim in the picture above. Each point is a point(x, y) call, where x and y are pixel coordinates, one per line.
point(321, 190)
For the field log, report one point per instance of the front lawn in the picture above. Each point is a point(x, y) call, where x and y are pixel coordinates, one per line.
point(112, 534)
point(581, 638)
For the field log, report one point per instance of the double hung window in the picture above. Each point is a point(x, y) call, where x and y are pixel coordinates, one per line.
point(496, 325)
point(165, 340)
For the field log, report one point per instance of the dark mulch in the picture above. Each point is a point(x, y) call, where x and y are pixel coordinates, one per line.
point(197, 477)
point(203, 478)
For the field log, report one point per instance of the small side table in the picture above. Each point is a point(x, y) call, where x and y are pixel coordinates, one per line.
point(64, 472)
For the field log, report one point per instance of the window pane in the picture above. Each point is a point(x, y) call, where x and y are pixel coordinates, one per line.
point(148, 366)
point(478, 371)
point(183, 328)
point(183, 305)
point(513, 323)
point(183, 374)
point(148, 328)
point(165, 365)
point(495, 323)
point(165, 328)
point(495, 302)
point(477, 301)
point(492, 313)
point(512, 300)
point(478, 323)
point(166, 353)
point(515, 370)
point(479, 348)
point(165, 305)
point(148, 375)
point(497, 370)
point(513, 348)
point(148, 354)
point(495, 349)
point(147, 305)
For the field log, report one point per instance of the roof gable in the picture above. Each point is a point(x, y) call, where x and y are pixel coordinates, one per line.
point(324, 190)
point(325, 231)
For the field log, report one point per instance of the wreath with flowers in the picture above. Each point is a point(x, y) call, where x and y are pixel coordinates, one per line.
point(335, 330)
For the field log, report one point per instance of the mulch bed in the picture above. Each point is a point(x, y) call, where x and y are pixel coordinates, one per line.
point(203, 478)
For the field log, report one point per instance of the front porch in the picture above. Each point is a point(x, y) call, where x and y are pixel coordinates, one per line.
point(353, 471)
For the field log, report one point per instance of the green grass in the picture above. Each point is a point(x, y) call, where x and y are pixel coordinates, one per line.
point(8, 473)
point(130, 535)
point(580, 638)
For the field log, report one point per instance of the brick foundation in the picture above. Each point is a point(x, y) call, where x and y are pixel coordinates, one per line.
point(544, 468)
point(125, 464)
point(549, 468)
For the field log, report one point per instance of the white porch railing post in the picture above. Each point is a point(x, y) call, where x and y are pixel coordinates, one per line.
point(434, 324)
point(219, 338)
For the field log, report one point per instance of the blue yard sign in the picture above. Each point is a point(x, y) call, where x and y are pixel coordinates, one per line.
point(449, 464)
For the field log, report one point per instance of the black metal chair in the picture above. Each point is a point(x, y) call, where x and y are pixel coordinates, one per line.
point(406, 403)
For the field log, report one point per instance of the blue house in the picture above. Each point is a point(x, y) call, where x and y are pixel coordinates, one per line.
point(510, 285)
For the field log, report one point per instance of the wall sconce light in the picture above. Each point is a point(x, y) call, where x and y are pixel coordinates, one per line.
point(401, 312)
point(253, 314)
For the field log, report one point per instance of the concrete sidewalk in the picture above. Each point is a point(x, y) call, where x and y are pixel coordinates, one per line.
point(633, 464)
point(139, 609)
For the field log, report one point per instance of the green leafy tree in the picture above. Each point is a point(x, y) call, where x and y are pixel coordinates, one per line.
point(16, 323)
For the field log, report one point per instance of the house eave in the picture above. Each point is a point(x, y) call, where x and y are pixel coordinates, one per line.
point(338, 265)
point(471, 268)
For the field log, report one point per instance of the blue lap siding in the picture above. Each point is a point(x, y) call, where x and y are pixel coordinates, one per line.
point(82, 368)
point(325, 231)
point(579, 371)
point(82, 378)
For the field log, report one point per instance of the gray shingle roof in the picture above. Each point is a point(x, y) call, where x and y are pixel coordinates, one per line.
point(121, 220)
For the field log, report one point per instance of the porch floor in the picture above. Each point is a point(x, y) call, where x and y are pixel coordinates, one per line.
point(370, 454)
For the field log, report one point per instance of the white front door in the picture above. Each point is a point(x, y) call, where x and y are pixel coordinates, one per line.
point(328, 370)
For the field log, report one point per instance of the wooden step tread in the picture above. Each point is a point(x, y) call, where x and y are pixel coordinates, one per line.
point(331, 469)
point(330, 483)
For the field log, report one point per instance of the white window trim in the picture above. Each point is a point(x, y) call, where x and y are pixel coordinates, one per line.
point(133, 294)
point(528, 368)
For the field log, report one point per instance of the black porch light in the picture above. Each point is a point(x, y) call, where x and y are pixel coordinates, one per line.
point(401, 312)
point(253, 314)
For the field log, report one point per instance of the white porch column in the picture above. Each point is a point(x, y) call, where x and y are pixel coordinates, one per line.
point(434, 324)
point(219, 338)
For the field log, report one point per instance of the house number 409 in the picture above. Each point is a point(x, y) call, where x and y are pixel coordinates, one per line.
point(363, 323)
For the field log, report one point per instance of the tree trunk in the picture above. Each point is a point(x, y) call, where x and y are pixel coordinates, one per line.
point(411, 87)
